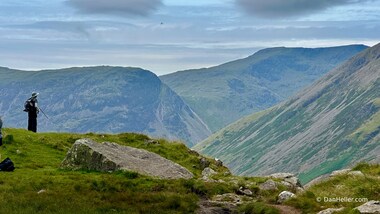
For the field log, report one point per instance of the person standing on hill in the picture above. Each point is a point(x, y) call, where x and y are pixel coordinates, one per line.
point(31, 106)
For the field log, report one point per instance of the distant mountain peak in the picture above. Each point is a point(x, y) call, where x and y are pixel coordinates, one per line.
point(103, 99)
point(328, 126)
point(223, 94)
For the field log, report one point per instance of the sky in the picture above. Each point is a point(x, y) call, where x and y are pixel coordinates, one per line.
point(166, 36)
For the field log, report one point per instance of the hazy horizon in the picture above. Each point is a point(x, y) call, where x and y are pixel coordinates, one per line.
point(165, 36)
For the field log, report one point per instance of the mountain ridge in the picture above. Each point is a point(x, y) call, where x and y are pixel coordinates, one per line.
point(321, 129)
point(101, 99)
point(223, 94)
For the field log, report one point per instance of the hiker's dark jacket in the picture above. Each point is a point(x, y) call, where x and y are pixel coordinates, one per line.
point(33, 110)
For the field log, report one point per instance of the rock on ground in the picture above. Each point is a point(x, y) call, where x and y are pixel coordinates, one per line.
point(207, 173)
point(346, 171)
point(289, 180)
point(245, 191)
point(285, 195)
point(89, 155)
point(330, 210)
point(371, 207)
point(268, 185)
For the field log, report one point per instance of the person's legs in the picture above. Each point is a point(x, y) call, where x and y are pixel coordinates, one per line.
point(32, 124)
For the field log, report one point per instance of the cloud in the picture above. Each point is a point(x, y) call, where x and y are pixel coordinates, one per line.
point(287, 8)
point(116, 7)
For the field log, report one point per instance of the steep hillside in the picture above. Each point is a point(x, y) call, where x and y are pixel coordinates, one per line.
point(330, 125)
point(100, 99)
point(223, 94)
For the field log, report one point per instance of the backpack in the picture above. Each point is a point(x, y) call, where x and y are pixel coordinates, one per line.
point(7, 165)
point(27, 105)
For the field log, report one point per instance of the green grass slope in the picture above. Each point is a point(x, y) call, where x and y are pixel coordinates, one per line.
point(328, 126)
point(37, 158)
point(359, 189)
point(225, 93)
point(38, 185)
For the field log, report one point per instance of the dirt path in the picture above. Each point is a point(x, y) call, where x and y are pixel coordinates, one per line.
point(286, 209)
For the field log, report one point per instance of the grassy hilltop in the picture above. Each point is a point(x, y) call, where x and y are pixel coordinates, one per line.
point(39, 186)
point(37, 158)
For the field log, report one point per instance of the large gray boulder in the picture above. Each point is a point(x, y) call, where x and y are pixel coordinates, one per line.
point(89, 155)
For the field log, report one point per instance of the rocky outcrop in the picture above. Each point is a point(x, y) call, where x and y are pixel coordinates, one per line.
point(333, 174)
point(289, 180)
point(89, 155)
point(371, 207)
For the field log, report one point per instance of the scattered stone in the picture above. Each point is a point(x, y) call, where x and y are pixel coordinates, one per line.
point(294, 181)
point(204, 163)
point(356, 173)
point(331, 210)
point(228, 197)
point(208, 172)
point(285, 195)
point(245, 191)
point(227, 173)
point(41, 191)
point(371, 207)
point(287, 184)
point(151, 142)
point(192, 151)
point(300, 190)
point(86, 154)
point(340, 172)
point(281, 175)
point(346, 172)
point(288, 179)
point(218, 162)
point(268, 185)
